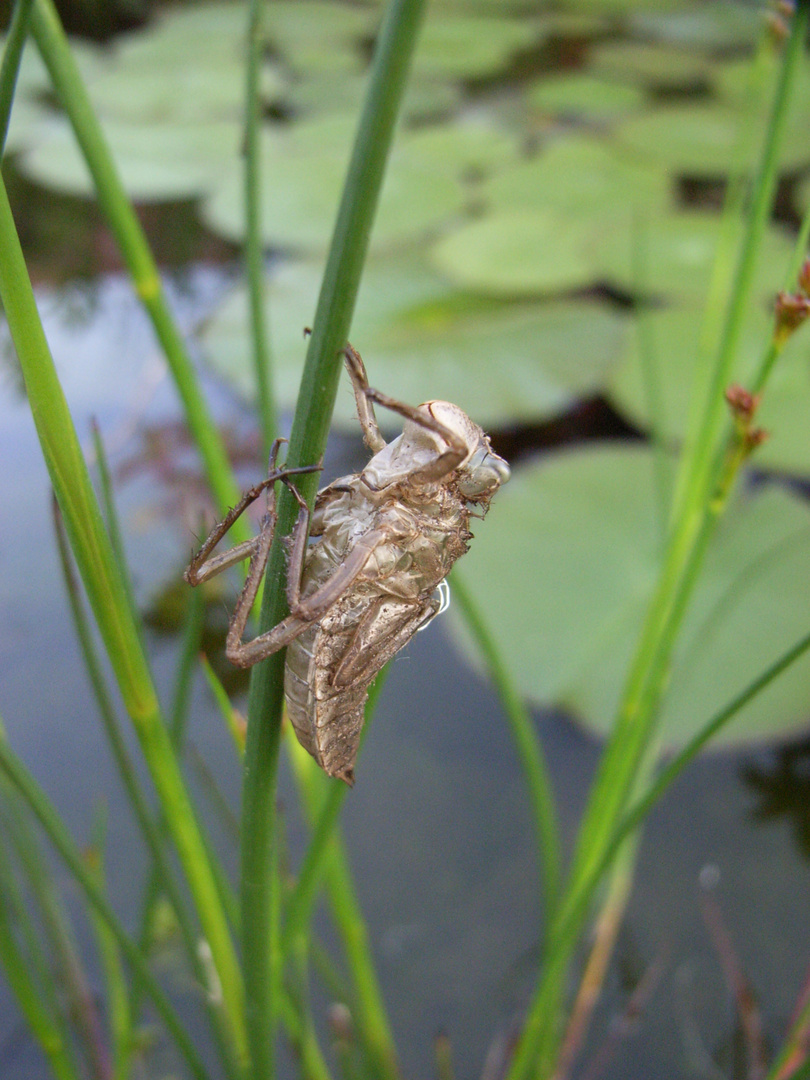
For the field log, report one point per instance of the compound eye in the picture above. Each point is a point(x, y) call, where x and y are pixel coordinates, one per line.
point(483, 474)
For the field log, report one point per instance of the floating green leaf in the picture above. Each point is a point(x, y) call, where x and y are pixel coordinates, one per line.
point(466, 44)
point(674, 336)
point(719, 25)
point(581, 178)
point(679, 255)
point(170, 161)
point(585, 96)
point(517, 253)
point(699, 140)
point(660, 66)
point(422, 339)
point(564, 566)
point(304, 171)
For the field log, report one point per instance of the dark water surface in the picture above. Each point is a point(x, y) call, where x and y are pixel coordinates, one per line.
point(437, 827)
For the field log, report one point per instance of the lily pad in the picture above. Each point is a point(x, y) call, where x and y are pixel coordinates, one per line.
point(422, 339)
point(147, 87)
point(719, 25)
point(700, 141)
point(679, 251)
point(564, 567)
point(583, 96)
point(581, 178)
point(169, 161)
point(674, 341)
point(517, 253)
point(659, 66)
point(461, 45)
point(304, 173)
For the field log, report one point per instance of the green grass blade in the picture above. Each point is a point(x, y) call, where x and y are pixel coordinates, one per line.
point(635, 721)
point(119, 1011)
point(107, 595)
point(40, 806)
point(65, 969)
point(527, 744)
point(323, 800)
point(63, 70)
point(338, 294)
point(162, 870)
point(9, 70)
point(254, 255)
point(34, 996)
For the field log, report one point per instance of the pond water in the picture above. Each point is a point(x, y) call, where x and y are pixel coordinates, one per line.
point(437, 826)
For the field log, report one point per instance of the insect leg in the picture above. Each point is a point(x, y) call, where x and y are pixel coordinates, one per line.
point(365, 395)
point(365, 410)
point(202, 566)
point(316, 605)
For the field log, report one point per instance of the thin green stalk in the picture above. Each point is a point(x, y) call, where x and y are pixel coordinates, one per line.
point(579, 896)
point(637, 711)
point(695, 475)
point(529, 748)
point(107, 595)
point(738, 193)
point(650, 380)
point(111, 521)
point(10, 69)
point(63, 70)
point(67, 971)
point(184, 676)
point(162, 870)
point(37, 801)
point(254, 256)
point(39, 1020)
point(116, 997)
point(330, 860)
point(395, 45)
point(226, 709)
point(325, 816)
point(795, 1046)
point(36, 1001)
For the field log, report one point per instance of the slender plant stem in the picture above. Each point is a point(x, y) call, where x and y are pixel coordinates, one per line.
point(638, 709)
point(162, 871)
point(393, 52)
point(117, 999)
point(42, 1016)
point(107, 595)
point(323, 802)
point(12, 55)
point(63, 70)
point(67, 971)
point(530, 751)
point(38, 802)
point(324, 812)
point(254, 259)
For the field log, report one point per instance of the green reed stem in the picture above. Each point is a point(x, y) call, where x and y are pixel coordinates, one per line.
point(65, 972)
point(326, 859)
point(395, 45)
point(638, 708)
point(325, 814)
point(254, 255)
point(106, 593)
point(54, 828)
point(162, 871)
point(116, 997)
point(529, 748)
point(34, 997)
point(10, 68)
point(55, 51)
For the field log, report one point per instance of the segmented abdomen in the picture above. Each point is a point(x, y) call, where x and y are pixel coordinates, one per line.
point(331, 665)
